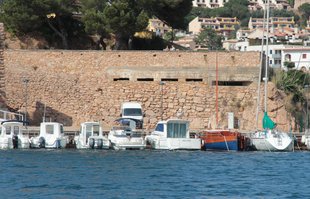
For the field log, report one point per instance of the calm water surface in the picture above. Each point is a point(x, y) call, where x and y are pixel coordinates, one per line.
point(153, 174)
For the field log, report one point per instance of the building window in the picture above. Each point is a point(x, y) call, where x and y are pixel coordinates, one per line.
point(304, 56)
point(287, 57)
point(270, 52)
point(270, 61)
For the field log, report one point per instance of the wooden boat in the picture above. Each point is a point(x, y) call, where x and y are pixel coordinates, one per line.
point(220, 140)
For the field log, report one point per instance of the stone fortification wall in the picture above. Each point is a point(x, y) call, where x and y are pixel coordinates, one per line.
point(2, 72)
point(78, 86)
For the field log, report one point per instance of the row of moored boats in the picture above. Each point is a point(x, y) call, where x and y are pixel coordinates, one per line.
point(171, 134)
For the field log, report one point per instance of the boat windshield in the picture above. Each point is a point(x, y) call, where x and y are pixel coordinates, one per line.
point(16, 130)
point(132, 112)
point(88, 132)
point(176, 130)
point(125, 128)
point(96, 130)
point(49, 129)
point(8, 130)
point(160, 127)
point(61, 129)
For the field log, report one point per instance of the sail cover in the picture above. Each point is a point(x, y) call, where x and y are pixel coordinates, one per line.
point(267, 122)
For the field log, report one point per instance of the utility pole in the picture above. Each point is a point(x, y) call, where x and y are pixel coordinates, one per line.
point(161, 83)
point(26, 81)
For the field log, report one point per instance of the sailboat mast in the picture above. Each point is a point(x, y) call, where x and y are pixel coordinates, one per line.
point(267, 60)
point(216, 91)
point(260, 71)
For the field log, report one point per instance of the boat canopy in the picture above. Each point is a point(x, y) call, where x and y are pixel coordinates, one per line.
point(267, 122)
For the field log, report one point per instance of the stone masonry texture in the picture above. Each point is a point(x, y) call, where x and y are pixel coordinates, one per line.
point(77, 86)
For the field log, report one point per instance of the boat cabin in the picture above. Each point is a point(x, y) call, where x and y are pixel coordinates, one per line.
point(173, 129)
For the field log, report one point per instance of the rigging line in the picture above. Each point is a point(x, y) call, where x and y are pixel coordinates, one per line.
point(267, 60)
point(260, 71)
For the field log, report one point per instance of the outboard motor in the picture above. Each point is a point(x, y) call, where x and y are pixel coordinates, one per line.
point(15, 141)
point(91, 143)
point(58, 145)
point(99, 143)
point(41, 142)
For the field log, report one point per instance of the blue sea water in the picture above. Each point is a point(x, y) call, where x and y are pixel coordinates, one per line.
point(153, 174)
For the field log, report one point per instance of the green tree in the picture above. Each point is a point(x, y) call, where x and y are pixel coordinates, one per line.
point(293, 83)
point(291, 2)
point(233, 8)
point(172, 12)
point(198, 12)
point(26, 16)
point(208, 37)
point(125, 17)
point(305, 12)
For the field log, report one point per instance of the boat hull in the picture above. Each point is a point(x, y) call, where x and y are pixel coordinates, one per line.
point(174, 143)
point(8, 143)
point(220, 140)
point(122, 142)
point(272, 141)
point(49, 144)
point(103, 144)
point(229, 146)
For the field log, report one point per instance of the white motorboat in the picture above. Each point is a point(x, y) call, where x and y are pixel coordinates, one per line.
point(91, 137)
point(125, 136)
point(173, 134)
point(306, 140)
point(51, 136)
point(11, 135)
point(272, 140)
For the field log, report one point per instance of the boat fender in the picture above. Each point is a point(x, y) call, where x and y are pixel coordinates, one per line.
point(100, 143)
point(15, 141)
point(41, 142)
point(91, 143)
point(202, 142)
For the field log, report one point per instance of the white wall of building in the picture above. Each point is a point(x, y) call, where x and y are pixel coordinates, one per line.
point(300, 56)
point(274, 54)
point(194, 26)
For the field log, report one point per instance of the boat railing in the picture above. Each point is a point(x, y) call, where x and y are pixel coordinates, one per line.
point(7, 115)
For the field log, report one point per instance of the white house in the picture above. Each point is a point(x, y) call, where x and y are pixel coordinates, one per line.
point(209, 3)
point(300, 56)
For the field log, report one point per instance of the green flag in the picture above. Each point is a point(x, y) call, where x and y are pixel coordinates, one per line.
point(267, 122)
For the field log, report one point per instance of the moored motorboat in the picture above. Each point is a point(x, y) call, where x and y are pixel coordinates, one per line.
point(11, 135)
point(173, 134)
point(125, 136)
point(220, 140)
point(305, 139)
point(91, 137)
point(51, 136)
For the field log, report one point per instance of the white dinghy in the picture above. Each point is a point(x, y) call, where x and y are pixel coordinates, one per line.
point(91, 137)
